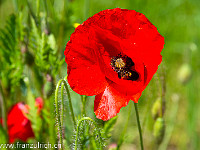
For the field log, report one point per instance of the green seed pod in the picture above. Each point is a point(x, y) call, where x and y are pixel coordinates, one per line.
point(155, 111)
point(184, 73)
point(159, 130)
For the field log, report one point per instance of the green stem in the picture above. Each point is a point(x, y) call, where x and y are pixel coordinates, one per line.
point(69, 98)
point(139, 127)
point(58, 113)
point(86, 9)
point(121, 140)
point(161, 95)
point(70, 102)
point(62, 104)
point(83, 98)
point(32, 13)
point(77, 132)
point(64, 13)
point(3, 104)
point(171, 124)
point(38, 9)
point(60, 117)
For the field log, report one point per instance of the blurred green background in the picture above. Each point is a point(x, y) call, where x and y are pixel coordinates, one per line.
point(33, 38)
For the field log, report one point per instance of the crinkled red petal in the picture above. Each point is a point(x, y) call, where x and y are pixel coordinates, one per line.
point(108, 103)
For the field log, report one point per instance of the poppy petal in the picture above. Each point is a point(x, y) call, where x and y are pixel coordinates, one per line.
point(19, 127)
point(108, 103)
point(87, 81)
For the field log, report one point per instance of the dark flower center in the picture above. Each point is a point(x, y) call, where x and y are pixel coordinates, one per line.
point(123, 65)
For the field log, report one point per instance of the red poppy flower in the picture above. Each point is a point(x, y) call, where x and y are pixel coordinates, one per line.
point(113, 55)
point(19, 126)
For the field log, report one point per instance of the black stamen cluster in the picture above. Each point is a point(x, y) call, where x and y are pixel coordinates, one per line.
point(124, 72)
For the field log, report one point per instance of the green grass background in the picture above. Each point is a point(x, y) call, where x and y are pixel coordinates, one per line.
point(179, 22)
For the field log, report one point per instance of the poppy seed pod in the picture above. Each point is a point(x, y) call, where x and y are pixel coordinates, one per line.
point(156, 108)
point(155, 111)
point(184, 73)
point(159, 130)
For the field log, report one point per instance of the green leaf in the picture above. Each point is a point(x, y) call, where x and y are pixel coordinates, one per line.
point(3, 137)
point(108, 127)
point(10, 54)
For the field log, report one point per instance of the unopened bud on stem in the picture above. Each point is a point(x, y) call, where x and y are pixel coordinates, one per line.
point(159, 130)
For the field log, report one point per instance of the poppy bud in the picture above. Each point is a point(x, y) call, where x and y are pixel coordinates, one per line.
point(155, 111)
point(159, 130)
point(184, 73)
point(193, 47)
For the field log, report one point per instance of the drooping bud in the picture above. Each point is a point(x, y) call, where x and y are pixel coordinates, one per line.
point(184, 73)
point(159, 130)
point(155, 111)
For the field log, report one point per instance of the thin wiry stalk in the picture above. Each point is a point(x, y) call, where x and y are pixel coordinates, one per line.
point(124, 130)
point(60, 118)
point(62, 104)
point(139, 127)
point(3, 104)
point(161, 94)
point(83, 98)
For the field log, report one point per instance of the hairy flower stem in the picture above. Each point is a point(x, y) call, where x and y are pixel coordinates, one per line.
point(83, 98)
point(139, 127)
point(62, 103)
point(60, 116)
point(77, 131)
